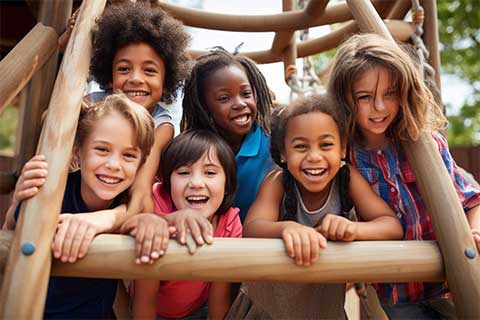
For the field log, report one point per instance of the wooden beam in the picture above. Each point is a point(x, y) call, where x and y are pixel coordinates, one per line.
point(112, 256)
point(53, 13)
point(24, 60)
point(449, 222)
point(27, 276)
point(295, 20)
point(430, 36)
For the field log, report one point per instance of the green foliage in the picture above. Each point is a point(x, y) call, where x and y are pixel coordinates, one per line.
point(459, 32)
point(8, 127)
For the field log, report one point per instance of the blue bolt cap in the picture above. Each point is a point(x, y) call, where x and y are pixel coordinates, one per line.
point(28, 248)
point(470, 253)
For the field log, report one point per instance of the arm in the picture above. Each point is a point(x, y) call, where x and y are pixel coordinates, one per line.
point(379, 220)
point(301, 242)
point(31, 179)
point(145, 299)
point(218, 300)
point(65, 36)
point(141, 190)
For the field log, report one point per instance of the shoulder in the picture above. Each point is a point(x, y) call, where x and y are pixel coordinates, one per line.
point(229, 224)
point(163, 202)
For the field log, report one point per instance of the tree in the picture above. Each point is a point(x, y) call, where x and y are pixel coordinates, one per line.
point(459, 32)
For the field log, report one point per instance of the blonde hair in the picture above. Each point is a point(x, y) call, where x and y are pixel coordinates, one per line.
point(419, 112)
point(134, 113)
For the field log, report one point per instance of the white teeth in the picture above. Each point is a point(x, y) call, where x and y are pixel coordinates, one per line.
point(242, 120)
point(378, 120)
point(197, 198)
point(315, 171)
point(136, 93)
point(109, 180)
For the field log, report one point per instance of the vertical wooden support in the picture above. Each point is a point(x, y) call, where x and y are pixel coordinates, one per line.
point(430, 37)
point(289, 53)
point(449, 222)
point(26, 277)
point(53, 13)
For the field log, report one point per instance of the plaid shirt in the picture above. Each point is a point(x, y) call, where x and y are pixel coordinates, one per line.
point(391, 177)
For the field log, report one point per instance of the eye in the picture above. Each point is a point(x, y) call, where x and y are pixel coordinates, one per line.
point(364, 97)
point(100, 149)
point(223, 98)
point(300, 146)
point(247, 94)
point(123, 69)
point(326, 145)
point(210, 172)
point(150, 70)
point(182, 172)
point(131, 155)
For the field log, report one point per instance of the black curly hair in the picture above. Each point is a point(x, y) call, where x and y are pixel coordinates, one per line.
point(129, 23)
point(281, 116)
point(195, 113)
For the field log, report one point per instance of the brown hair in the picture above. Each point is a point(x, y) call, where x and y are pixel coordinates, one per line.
point(187, 148)
point(418, 109)
point(134, 113)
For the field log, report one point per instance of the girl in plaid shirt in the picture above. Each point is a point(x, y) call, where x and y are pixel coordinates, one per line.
point(378, 86)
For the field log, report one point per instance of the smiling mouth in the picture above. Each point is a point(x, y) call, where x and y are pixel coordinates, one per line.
point(108, 180)
point(242, 120)
point(197, 201)
point(134, 94)
point(315, 172)
point(378, 120)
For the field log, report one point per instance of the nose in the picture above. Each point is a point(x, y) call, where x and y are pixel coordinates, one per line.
point(239, 103)
point(379, 104)
point(113, 163)
point(196, 181)
point(136, 76)
point(314, 155)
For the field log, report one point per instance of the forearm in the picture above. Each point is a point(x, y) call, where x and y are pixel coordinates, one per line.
point(108, 221)
point(9, 223)
point(381, 228)
point(145, 300)
point(219, 300)
point(260, 228)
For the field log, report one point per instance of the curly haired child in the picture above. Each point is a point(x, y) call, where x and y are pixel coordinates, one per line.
point(141, 51)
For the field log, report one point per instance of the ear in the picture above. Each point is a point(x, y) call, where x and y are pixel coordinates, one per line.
point(344, 150)
point(283, 158)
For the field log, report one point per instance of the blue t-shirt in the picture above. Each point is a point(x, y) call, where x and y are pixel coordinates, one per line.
point(70, 297)
point(253, 164)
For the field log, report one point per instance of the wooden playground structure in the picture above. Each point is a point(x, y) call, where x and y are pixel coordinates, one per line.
point(32, 66)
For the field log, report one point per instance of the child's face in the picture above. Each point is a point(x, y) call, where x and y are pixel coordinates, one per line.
point(109, 161)
point(199, 186)
point(377, 105)
point(313, 153)
point(139, 72)
point(230, 100)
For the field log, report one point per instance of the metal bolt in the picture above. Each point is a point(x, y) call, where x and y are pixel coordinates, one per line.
point(470, 253)
point(28, 248)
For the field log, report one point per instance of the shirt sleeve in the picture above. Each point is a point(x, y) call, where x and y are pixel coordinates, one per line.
point(469, 195)
point(163, 203)
point(233, 225)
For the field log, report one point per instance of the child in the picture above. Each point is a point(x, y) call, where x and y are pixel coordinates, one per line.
point(199, 180)
point(112, 142)
point(385, 100)
point(228, 95)
point(141, 51)
point(307, 202)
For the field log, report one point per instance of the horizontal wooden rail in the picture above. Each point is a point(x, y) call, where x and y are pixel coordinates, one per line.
point(21, 63)
point(294, 20)
point(112, 256)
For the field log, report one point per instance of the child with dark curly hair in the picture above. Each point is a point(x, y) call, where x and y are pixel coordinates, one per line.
point(141, 51)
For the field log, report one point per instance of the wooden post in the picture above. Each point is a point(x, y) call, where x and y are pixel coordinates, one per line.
point(24, 60)
point(26, 277)
point(112, 256)
point(430, 36)
point(53, 13)
point(449, 222)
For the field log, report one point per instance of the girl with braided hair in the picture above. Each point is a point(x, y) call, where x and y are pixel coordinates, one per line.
point(307, 202)
point(228, 95)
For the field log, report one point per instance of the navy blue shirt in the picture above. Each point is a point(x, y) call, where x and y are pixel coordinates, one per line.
point(70, 297)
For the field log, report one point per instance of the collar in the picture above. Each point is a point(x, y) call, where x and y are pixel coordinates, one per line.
point(251, 145)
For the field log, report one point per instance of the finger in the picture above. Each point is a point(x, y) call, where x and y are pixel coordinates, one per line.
point(35, 173)
point(68, 241)
point(325, 226)
point(181, 232)
point(195, 231)
point(305, 239)
point(76, 242)
point(191, 244)
point(59, 238)
point(340, 232)
point(314, 247)
point(139, 243)
point(322, 241)
point(87, 239)
point(297, 248)
point(350, 232)
point(288, 241)
point(26, 194)
point(147, 244)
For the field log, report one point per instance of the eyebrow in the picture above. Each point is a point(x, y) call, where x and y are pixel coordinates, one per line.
point(322, 136)
point(110, 143)
point(144, 62)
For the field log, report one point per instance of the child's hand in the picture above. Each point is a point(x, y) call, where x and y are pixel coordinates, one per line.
point(74, 234)
point(193, 222)
point(303, 243)
point(32, 178)
point(151, 234)
point(335, 227)
point(476, 238)
point(65, 36)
